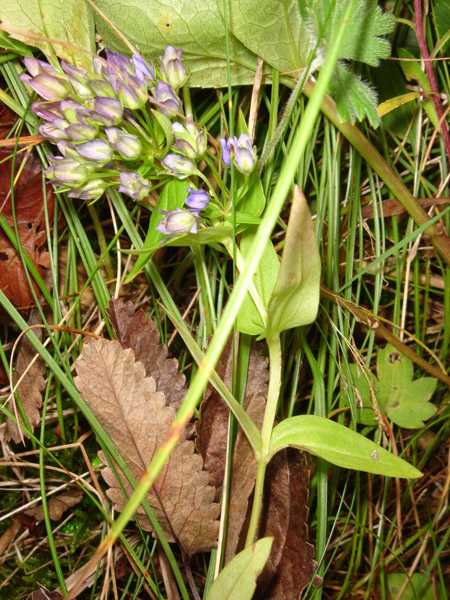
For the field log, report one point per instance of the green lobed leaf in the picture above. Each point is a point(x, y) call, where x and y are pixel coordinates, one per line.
point(69, 21)
point(338, 445)
point(273, 30)
point(172, 196)
point(406, 402)
point(249, 319)
point(195, 26)
point(237, 581)
point(295, 298)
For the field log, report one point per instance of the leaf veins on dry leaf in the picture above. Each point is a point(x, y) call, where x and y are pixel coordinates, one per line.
point(136, 417)
point(56, 506)
point(31, 387)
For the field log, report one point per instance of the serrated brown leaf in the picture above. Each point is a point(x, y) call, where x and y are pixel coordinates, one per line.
point(56, 506)
point(291, 565)
point(31, 387)
point(133, 330)
point(212, 426)
point(30, 216)
point(135, 416)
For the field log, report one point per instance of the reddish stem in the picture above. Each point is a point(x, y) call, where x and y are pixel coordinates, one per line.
point(430, 73)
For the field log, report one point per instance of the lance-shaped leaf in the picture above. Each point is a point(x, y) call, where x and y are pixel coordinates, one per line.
point(338, 445)
point(133, 330)
point(237, 581)
point(295, 298)
point(135, 416)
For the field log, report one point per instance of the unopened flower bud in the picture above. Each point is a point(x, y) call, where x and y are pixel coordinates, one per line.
point(53, 133)
point(35, 66)
point(96, 150)
point(176, 222)
point(102, 88)
point(132, 96)
point(197, 201)
point(126, 144)
point(167, 99)
point(110, 109)
point(133, 185)
point(244, 154)
point(81, 132)
point(179, 166)
point(190, 140)
point(49, 87)
point(47, 110)
point(68, 172)
point(172, 69)
point(144, 71)
point(226, 151)
point(92, 190)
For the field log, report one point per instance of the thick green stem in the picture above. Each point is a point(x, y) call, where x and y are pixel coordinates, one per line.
point(274, 345)
point(440, 241)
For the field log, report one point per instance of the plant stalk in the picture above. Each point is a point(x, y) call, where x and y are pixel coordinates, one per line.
point(275, 361)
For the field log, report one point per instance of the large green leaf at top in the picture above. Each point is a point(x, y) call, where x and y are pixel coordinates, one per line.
point(196, 26)
point(273, 30)
point(64, 20)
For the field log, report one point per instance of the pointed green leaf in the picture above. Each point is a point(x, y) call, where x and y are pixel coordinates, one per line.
point(249, 319)
point(295, 298)
point(172, 196)
point(237, 581)
point(338, 445)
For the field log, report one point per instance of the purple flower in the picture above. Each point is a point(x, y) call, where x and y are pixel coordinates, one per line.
point(179, 166)
point(132, 94)
point(133, 185)
point(47, 110)
point(109, 109)
point(126, 144)
point(78, 80)
point(81, 132)
point(49, 87)
point(96, 150)
point(226, 151)
point(67, 172)
point(167, 99)
point(35, 66)
point(176, 222)
point(102, 88)
point(92, 190)
point(244, 154)
point(143, 70)
point(190, 140)
point(52, 132)
point(172, 69)
point(197, 201)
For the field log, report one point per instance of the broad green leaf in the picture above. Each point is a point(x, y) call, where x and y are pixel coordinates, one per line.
point(273, 30)
point(253, 200)
point(64, 20)
point(419, 586)
point(195, 26)
point(210, 235)
point(405, 402)
point(249, 318)
point(338, 445)
point(9, 43)
point(172, 196)
point(295, 298)
point(237, 581)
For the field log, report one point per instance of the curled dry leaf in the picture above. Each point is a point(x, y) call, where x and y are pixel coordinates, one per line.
point(137, 419)
point(57, 506)
point(29, 209)
point(133, 330)
point(31, 387)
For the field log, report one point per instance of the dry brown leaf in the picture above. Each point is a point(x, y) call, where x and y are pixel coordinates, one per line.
point(56, 506)
point(45, 594)
point(30, 216)
point(137, 419)
point(133, 330)
point(31, 387)
point(284, 516)
point(392, 207)
point(212, 426)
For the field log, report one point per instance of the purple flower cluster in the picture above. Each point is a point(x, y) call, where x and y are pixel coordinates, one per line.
point(97, 122)
point(242, 152)
point(179, 221)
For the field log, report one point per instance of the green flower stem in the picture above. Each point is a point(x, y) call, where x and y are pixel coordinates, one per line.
point(274, 345)
point(101, 239)
point(440, 241)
